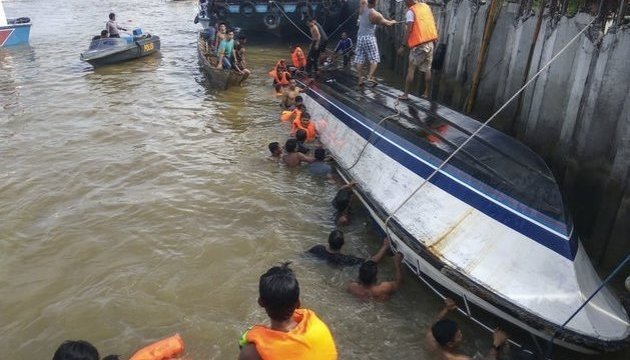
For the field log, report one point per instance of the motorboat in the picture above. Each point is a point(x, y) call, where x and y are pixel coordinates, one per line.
point(479, 219)
point(111, 50)
point(220, 79)
point(13, 31)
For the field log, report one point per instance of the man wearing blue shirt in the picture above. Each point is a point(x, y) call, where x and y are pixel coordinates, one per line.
point(226, 51)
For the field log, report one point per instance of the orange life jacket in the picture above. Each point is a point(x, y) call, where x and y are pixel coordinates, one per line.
point(287, 114)
point(423, 29)
point(297, 57)
point(164, 349)
point(279, 76)
point(309, 340)
point(311, 131)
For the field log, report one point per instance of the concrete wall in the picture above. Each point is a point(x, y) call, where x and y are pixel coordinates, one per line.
point(576, 114)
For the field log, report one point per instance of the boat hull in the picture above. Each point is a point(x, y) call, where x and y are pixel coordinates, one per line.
point(281, 18)
point(14, 34)
point(136, 49)
point(472, 247)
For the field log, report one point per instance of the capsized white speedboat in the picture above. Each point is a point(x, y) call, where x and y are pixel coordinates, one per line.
point(489, 229)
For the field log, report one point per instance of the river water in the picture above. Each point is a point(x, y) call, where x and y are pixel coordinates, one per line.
point(136, 202)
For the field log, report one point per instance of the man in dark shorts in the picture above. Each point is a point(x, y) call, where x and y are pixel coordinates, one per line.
point(333, 254)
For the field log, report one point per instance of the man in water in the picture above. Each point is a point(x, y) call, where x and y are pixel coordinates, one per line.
point(369, 288)
point(293, 333)
point(112, 26)
point(332, 254)
point(420, 34)
point(293, 158)
point(79, 350)
point(275, 150)
point(319, 167)
point(341, 203)
point(225, 52)
point(367, 48)
point(444, 338)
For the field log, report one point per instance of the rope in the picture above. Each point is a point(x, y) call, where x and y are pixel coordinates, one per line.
point(486, 123)
point(343, 23)
point(288, 18)
point(372, 133)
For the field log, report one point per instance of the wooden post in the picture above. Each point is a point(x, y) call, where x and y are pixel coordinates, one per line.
point(532, 46)
point(622, 12)
point(491, 20)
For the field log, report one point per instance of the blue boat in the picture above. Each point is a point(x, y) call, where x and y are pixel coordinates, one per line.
point(13, 31)
point(106, 51)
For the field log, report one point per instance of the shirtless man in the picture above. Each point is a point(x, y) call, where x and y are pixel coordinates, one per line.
point(293, 158)
point(368, 288)
point(444, 338)
point(276, 151)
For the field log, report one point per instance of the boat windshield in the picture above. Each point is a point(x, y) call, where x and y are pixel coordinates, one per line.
point(107, 43)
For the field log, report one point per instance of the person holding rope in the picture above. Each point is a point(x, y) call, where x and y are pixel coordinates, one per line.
point(367, 48)
point(421, 33)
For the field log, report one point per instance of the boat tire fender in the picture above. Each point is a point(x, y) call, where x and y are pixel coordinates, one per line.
point(247, 9)
point(22, 20)
point(272, 21)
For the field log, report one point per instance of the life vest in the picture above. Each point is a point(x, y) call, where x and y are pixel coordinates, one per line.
point(282, 78)
point(164, 349)
point(311, 132)
point(309, 340)
point(297, 58)
point(287, 114)
point(423, 29)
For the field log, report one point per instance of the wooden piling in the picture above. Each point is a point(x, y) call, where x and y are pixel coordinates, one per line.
point(491, 20)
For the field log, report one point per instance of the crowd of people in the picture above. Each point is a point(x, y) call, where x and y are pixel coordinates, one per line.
point(224, 50)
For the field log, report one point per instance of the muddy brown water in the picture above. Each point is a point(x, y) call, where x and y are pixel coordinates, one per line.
point(136, 202)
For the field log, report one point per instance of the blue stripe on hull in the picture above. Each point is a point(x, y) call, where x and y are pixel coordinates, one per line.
point(534, 229)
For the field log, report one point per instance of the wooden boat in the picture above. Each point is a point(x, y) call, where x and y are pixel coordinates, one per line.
point(208, 60)
point(489, 229)
point(106, 51)
point(13, 31)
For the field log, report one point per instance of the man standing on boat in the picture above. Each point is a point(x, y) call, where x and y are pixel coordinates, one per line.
point(421, 33)
point(319, 39)
point(112, 26)
point(367, 48)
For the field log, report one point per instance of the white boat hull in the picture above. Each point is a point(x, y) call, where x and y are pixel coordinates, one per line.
point(485, 259)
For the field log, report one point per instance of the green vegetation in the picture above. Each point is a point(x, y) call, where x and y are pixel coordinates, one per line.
point(572, 6)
